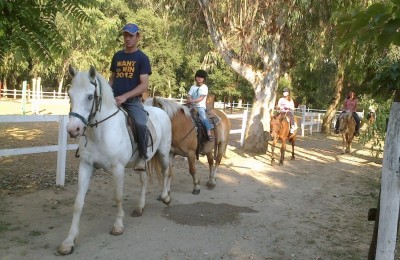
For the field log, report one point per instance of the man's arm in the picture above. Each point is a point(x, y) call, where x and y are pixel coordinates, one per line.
point(138, 91)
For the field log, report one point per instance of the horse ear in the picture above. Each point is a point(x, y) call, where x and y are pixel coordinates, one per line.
point(71, 70)
point(92, 72)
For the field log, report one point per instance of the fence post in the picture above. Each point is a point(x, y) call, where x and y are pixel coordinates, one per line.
point(62, 150)
point(303, 119)
point(24, 83)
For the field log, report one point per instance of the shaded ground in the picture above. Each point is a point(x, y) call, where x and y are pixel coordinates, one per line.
point(312, 208)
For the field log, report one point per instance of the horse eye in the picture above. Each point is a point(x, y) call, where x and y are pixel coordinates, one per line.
point(90, 97)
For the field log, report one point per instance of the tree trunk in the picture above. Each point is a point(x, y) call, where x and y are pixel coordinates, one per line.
point(259, 121)
point(265, 82)
point(330, 112)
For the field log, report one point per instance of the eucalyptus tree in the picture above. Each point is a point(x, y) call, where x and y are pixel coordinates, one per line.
point(250, 37)
point(28, 29)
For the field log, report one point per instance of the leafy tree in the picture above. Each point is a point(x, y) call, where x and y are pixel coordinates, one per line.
point(380, 24)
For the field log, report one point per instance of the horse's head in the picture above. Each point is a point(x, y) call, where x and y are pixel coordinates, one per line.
point(345, 121)
point(86, 99)
point(275, 126)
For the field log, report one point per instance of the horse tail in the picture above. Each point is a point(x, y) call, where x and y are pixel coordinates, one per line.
point(155, 167)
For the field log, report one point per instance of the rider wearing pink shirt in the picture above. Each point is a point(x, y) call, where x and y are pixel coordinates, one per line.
point(350, 105)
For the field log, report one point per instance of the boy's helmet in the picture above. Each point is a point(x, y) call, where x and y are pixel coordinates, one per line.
point(285, 90)
point(201, 74)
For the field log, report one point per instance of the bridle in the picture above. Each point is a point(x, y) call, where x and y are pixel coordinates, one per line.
point(96, 107)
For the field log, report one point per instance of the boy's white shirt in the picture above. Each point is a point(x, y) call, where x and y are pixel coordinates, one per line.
point(197, 91)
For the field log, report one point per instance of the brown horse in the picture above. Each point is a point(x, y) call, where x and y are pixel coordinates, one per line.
point(347, 128)
point(280, 129)
point(185, 140)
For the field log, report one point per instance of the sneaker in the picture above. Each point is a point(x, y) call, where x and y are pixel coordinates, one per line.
point(336, 131)
point(356, 133)
point(140, 164)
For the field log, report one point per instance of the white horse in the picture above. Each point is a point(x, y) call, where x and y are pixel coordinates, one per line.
point(104, 142)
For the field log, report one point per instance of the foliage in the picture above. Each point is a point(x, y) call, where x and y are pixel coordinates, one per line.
point(375, 133)
point(29, 27)
point(377, 25)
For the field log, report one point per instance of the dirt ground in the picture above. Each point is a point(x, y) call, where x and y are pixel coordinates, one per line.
point(314, 207)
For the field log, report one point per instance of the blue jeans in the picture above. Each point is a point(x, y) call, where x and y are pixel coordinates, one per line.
point(139, 117)
point(203, 118)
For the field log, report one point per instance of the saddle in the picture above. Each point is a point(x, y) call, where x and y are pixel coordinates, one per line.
point(202, 136)
point(151, 131)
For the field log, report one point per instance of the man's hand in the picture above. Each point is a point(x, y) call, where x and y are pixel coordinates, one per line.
point(120, 99)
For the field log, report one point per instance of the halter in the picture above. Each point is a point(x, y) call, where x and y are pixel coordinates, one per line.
point(96, 107)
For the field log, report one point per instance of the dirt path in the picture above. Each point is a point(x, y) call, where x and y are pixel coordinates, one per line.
point(312, 208)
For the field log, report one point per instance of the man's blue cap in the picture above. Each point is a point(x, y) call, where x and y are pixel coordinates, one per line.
point(130, 28)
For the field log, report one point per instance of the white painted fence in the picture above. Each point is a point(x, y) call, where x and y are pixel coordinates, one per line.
point(61, 148)
point(311, 119)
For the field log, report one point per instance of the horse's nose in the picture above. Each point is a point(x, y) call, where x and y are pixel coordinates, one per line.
point(74, 132)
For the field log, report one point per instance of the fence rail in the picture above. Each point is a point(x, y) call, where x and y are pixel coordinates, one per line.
point(62, 147)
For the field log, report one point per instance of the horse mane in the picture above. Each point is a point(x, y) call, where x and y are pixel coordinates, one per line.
point(106, 90)
point(171, 107)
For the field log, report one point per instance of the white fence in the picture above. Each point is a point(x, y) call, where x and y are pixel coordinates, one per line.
point(311, 119)
point(62, 147)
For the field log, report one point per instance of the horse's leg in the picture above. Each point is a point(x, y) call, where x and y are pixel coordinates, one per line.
point(85, 172)
point(192, 169)
point(142, 200)
point(344, 142)
point(273, 151)
point(293, 144)
point(283, 148)
point(118, 175)
point(212, 169)
point(165, 196)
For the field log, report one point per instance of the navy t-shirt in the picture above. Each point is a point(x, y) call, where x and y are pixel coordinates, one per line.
point(128, 67)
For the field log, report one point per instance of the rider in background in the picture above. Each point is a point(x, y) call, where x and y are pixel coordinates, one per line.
point(350, 105)
point(198, 96)
point(286, 105)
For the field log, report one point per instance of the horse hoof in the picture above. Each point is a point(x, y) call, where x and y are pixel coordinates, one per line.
point(293, 158)
point(167, 200)
point(117, 231)
point(280, 163)
point(196, 192)
point(136, 214)
point(210, 185)
point(65, 250)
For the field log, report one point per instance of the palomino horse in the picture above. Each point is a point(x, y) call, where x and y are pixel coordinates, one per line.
point(104, 142)
point(347, 128)
point(280, 129)
point(185, 141)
